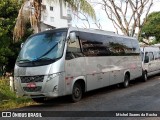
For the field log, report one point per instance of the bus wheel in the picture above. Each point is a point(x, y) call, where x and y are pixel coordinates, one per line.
point(76, 92)
point(39, 100)
point(144, 76)
point(125, 84)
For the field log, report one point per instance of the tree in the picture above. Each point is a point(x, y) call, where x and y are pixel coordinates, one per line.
point(35, 18)
point(8, 13)
point(151, 27)
point(86, 21)
point(127, 15)
point(8, 50)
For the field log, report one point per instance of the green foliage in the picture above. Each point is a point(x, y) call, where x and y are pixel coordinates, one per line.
point(152, 26)
point(8, 13)
point(8, 99)
point(82, 5)
point(8, 8)
point(9, 50)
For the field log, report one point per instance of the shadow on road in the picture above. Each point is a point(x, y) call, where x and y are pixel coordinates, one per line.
point(65, 100)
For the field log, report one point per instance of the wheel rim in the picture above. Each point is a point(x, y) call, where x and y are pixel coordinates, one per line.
point(126, 81)
point(145, 76)
point(77, 92)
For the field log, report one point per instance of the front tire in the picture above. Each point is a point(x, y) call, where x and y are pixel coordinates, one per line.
point(144, 76)
point(125, 84)
point(76, 92)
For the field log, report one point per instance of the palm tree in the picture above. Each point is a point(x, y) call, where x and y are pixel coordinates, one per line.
point(35, 18)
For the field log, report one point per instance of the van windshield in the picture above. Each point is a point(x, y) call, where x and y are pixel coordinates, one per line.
point(43, 47)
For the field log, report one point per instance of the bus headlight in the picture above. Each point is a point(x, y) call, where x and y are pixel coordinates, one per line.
point(52, 76)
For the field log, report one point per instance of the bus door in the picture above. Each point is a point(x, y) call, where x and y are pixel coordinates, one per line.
point(74, 63)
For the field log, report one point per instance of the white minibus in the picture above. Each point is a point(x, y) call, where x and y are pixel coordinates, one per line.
point(71, 61)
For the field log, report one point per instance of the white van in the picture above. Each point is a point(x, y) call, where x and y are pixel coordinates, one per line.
point(150, 61)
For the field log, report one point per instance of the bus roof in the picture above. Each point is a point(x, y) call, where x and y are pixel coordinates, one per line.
point(150, 49)
point(97, 31)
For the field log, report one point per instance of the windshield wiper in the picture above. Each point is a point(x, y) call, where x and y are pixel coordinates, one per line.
point(41, 57)
point(24, 60)
point(45, 59)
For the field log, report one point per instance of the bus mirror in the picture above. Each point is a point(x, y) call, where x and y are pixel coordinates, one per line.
point(22, 45)
point(72, 37)
point(146, 60)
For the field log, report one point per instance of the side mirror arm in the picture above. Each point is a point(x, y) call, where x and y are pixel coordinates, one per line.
point(22, 45)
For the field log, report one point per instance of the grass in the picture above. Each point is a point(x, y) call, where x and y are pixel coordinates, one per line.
point(8, 98)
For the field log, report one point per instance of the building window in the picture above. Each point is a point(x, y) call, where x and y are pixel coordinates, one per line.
point(43, 7)
point(52, 19)
point(51, 8)
point(44, 18)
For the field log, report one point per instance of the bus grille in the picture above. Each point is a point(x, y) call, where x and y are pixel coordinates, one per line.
point(28, 79)
point(32, 89)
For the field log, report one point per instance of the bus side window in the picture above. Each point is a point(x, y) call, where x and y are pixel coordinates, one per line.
point(135, 45)
point(88, 44)
point(146, 58)
point(96, 44)
point(73, 49)
point(119, 46)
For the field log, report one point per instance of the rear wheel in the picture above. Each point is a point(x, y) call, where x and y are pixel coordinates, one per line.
point(76, 92)
point(125, 84)
point(144, 76)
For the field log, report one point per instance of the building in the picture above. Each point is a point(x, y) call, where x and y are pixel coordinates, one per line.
point(55, 14)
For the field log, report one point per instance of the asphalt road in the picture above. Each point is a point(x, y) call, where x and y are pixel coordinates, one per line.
point(139, 96)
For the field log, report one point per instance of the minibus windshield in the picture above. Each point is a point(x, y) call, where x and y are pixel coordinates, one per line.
point(40, 47)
